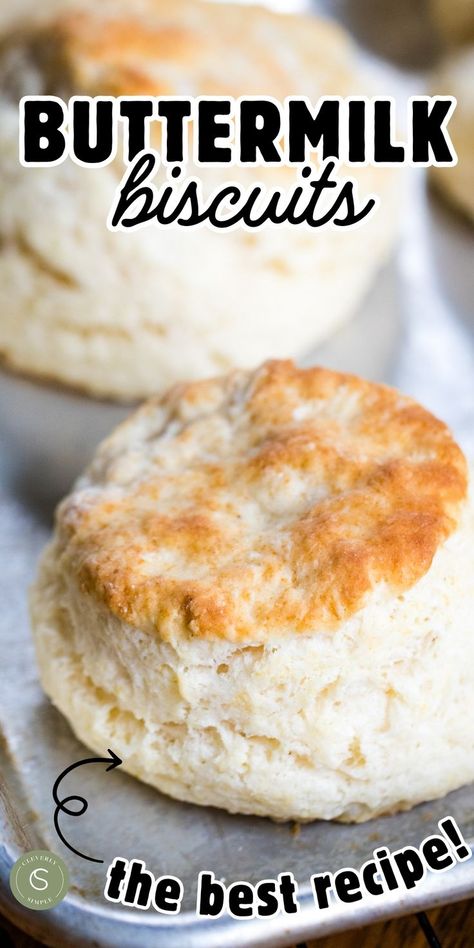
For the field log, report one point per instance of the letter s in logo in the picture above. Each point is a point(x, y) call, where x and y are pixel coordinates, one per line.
point(39, 879)
point(37, 882)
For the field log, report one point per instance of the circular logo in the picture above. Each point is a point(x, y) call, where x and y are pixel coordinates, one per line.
point(39, 880)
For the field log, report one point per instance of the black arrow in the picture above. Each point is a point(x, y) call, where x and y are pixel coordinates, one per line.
point(113, 761)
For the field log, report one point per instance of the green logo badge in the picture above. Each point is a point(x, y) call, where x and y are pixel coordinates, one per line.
point(39, 880)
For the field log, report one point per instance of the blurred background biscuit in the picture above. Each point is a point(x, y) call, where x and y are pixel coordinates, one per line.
point(455, 76)
point(454, 19)
point(125, 314)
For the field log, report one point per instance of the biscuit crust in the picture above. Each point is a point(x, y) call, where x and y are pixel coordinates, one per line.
point(162, 47)
point(262, 505)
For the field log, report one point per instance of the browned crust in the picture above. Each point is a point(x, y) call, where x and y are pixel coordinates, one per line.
point(263, 504)
point(161, 47)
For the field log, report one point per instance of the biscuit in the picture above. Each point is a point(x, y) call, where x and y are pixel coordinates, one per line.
point(260, 595)
point(456, 77)
point(454, 20)
point(127, 314)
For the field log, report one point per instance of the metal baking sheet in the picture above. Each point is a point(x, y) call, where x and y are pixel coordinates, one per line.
point(415, 330)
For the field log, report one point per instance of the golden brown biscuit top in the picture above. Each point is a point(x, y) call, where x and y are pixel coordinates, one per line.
point(262, 504)
point(184, 47)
